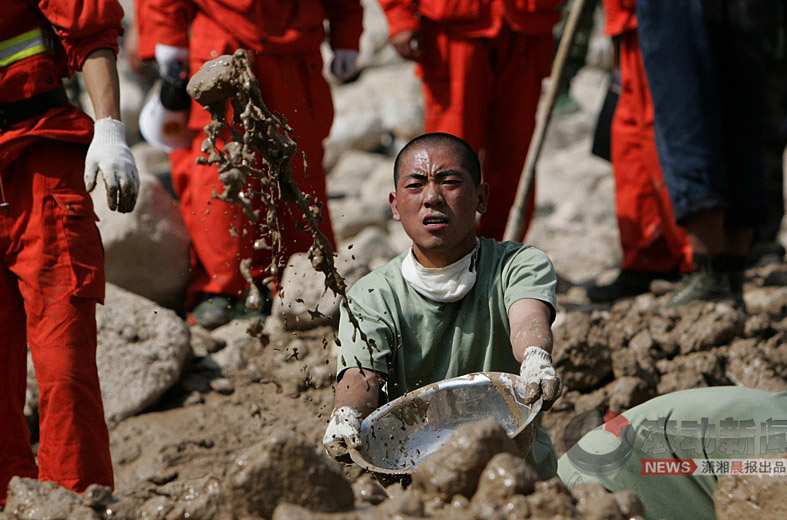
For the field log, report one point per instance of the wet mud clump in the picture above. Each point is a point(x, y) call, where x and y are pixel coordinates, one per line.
point(455, 468)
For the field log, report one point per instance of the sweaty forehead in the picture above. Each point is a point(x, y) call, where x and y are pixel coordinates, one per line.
point(429, 157)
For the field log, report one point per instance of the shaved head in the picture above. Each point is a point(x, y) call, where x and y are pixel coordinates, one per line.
point(467, 156)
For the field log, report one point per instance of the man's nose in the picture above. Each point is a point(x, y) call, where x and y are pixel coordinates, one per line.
point(433, 196)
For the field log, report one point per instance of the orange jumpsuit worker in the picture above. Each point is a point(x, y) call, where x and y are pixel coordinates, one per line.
point(653, 245)
point(52, 264)
point(284, 38)
point(482, 64)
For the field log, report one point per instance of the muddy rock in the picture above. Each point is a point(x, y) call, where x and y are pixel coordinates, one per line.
point(581, 356)
point(627, 392)
point(694, 370)
point(760, 365)
point(504, 476)
point(199, 499)
point(704, 326)
point(286, 468)
point(456, 467)
point(551, 500)
point(368, 490)
point(594, 502)
point(30, 499)
point(303, 291)
point(142, 349)
point(751, 496)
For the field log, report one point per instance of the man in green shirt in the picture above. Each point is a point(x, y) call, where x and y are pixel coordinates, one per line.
point(451, 305)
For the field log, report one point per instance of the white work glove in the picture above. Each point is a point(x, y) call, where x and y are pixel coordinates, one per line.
point(166, 54)
point(343, 432)
point(109, 154)
point(539, 377)
point(343, 65)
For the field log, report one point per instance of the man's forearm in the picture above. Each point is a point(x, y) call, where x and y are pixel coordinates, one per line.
point(359, 390)
point(529, 322)
point(101, 80)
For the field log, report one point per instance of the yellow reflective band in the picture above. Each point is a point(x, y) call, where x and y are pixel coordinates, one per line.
point(21, 46)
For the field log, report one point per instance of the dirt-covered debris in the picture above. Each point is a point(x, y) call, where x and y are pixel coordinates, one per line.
point(758, 496)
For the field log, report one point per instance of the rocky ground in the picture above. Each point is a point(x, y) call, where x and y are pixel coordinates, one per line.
point(228, 425)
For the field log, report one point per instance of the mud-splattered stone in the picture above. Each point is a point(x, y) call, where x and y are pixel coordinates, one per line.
point(286, 468)
point(30, 499)
point(455, 468)
point(582, 355)
point(551, 500)
point(763, 497)
point(368, 490)
point(504, 476)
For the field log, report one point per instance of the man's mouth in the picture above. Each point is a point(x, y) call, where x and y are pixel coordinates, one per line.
point(435, 221)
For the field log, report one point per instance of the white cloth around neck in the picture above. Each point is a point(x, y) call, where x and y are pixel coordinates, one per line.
point(442, 284)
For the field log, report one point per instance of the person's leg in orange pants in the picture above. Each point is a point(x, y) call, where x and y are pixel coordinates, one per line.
point(53, 274)
point(520, 64)
point(653, 244)
point(486, 92)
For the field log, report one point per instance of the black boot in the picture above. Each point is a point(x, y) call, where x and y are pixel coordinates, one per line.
point(628, 283)
point(710, 282)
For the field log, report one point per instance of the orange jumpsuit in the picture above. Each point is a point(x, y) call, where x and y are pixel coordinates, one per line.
point(52, 265)
point(650, 238)
point(482, 64)
point(284, 38)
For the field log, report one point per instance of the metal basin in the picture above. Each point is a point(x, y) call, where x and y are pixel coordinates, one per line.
point(401, 434)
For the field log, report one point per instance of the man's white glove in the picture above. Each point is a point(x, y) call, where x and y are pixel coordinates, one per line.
point(166, 54)
point(343, 432)
point(109, 154)
point(344, 61)
point(540, 377)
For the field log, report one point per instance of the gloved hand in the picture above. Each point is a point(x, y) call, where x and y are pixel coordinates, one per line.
point(344, 61)
point(407, 43)
point(540, 377)
point(343, 432)
point(109, 154)
point(166, 54)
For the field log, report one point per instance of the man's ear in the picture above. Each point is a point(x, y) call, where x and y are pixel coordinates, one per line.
point(483, 197)
point(394, 209)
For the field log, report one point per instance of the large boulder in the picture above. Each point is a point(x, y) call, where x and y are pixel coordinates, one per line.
point(142, 349)
point(147, 250)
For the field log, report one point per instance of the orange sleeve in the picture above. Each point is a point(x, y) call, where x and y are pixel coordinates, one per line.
point(84, 26)
point(346, 20)
point(146, 37)
point(619, 16)
point(169, 21)
point(401, 15)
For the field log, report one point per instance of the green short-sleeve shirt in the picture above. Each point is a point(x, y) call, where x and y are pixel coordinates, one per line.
point(420, 341)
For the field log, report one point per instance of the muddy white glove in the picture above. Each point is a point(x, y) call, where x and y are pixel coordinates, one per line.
point(166, 54)
point(539, 377)
point(109, 154)
point(343, 65)
point(343, 432)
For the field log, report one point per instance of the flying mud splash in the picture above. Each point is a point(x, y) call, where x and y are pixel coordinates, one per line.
point(258, 144)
